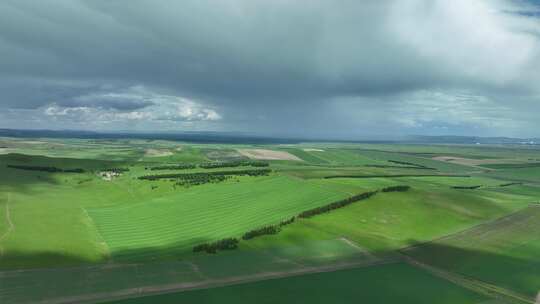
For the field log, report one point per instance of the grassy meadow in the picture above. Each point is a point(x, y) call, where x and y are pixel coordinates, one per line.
point(77, 210)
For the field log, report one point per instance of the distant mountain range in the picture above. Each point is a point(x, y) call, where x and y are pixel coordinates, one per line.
point(233, 137)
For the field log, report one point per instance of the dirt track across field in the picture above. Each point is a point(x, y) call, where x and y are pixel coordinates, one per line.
point(211, 283)
point(10, 225)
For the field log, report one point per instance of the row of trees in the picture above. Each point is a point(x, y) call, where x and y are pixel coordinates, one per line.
point(195, 175)
point(271, 229)
point(400, 188)
point(466, 187)
point(46, 169)
point(201, 180)
point(267, 230)
point(173, 167)
point(510, 184)
point(336, 205)
point(223, 244)
point(209, 165)
point(232, 243)
point(231, 164)
point(417, 166)
point(118, 170)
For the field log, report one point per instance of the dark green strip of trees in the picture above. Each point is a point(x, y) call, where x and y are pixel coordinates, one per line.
point(417, 166)
point(466, 187)
point(232, 164)
point(232, 243)
point(202, 179)
point(223, 244)
point(195, 175)
point(399, 188)
point(271, 229)
point(336, 205)
point(174, 167)
point(118, 170)
point(510, 184)
point(395, 175)
point(267, 230)
point(46, 169)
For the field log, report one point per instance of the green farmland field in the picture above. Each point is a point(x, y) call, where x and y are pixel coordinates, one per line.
point(102, 229)
point(503, 252)
point(206, 213)
point(376, 284)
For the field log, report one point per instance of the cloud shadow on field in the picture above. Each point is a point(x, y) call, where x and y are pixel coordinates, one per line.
point(79, 276)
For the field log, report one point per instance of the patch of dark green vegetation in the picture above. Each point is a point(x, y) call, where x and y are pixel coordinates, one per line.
point(466, 187)
point(223, 244)
point(197, 175)
point(510, 184)
point(512, 166)
point(118, 170)
point(173, 167)
point(336, 205)
point(201, 180)
point(232, 164)
point(417, 166)
point(395, 175)
point(399, 188)
point(46, 169)
point(287, 222)
point(266, 230)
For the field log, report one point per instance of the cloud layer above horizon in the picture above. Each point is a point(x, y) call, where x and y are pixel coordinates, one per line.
point(345, 69)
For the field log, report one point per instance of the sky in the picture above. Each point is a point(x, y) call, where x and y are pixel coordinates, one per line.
point(321, 68)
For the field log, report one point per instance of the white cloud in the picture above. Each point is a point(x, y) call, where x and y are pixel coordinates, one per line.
point(118, 106)
point(481, 40)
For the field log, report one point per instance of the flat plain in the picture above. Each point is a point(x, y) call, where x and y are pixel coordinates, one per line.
point(119, 218)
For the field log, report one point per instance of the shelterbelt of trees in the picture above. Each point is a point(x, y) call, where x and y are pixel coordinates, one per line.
point(173, 167)
point(231, 164)
point(46, 169)
point(195, 175)
point(232, 243)
point(210, 165)
point(417, 166)
point(223, 244)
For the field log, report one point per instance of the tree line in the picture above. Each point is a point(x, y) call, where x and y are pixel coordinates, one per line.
point(118, 170)
point(201, 179)
point(231, 164)
point(232, 243)
point(336, 205)
point(195, 175)
point(223, 244)
point(417, 166)
point(466, 187)
point(510, 184)
point(399, 188)
point(269, 229)
point(46, 169)
point(173, 167)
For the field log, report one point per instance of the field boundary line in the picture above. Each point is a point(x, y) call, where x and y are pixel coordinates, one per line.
point(475, 285)
point(11, 226)
point(357, 247)
point(91, 221)
point(211, 283)
point(466, 230)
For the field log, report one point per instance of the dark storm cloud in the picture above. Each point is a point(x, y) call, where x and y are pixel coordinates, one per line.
point(271, 64)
